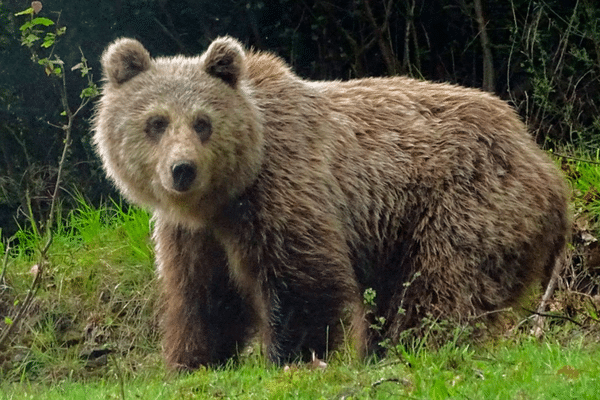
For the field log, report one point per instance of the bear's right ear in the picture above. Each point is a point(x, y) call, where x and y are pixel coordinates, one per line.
point(124, 59)
point(224, 59)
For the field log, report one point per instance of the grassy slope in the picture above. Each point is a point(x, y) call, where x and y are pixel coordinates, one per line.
point(99, 293)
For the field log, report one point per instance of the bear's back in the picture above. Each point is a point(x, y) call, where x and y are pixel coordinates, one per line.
point(415, 162)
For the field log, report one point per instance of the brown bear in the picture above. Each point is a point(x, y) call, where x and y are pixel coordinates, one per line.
point(277, 201)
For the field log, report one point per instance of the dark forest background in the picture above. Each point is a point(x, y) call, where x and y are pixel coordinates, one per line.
point(543, 56)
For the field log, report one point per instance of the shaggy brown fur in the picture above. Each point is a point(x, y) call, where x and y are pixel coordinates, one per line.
point(277, 201)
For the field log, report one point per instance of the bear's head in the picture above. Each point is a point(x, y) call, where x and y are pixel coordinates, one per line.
point(181, 135)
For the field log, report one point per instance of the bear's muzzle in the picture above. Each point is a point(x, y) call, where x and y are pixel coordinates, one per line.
point(184, 174)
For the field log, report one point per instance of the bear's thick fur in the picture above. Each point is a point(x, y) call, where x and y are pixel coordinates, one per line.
point(277, 201)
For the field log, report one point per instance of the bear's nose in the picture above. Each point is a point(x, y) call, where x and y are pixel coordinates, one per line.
point(184, 173)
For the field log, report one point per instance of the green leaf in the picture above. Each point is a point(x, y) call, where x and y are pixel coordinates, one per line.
point(42, 21)
point(26, 25)
point(8, 321)
point(64, 113)
point(593, 314)
point(30, 38)
point(29, 11)
point(49, 40)
point(91, 91)
point(61, 31)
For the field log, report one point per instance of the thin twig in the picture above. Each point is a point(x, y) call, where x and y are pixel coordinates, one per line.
point(410, 14)
point(485, 314)
point(538, 320)
point(29, 297)
point(119, 374)
point(383, 380)
point(5, 263)
point(171, 36)
point(554, 316)
point(575, 158)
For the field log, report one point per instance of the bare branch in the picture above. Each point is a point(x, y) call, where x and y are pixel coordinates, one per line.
point(538, 320)
point(489, 80)
point(406, 66)
point(5, 263)
point(380, 33)
point(167, 32)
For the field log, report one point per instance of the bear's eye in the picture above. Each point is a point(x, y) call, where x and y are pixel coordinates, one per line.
point(203, 128)
point(155, 126)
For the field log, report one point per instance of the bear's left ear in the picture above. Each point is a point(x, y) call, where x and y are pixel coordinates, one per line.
point(224, 59)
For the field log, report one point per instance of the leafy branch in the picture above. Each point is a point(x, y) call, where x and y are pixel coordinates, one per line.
point(32, 32)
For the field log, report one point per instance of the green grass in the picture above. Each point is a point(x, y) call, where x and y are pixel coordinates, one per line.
point(99, 292)
point(585, 180)
point(524, 369)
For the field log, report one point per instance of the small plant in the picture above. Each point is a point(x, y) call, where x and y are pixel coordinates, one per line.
point(406, 285)
point(34, 31)
point(369, 300)
point(378, 322)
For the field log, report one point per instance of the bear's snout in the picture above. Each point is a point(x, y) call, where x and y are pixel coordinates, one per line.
point(184, 173)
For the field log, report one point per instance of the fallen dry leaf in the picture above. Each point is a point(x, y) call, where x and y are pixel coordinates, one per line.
point(569, 372)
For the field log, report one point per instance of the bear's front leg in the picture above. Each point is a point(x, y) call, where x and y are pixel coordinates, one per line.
point(205, 320)
point(309, 286)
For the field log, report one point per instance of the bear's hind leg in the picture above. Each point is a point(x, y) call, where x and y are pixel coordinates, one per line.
point(302, 325)
point(306, 301)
